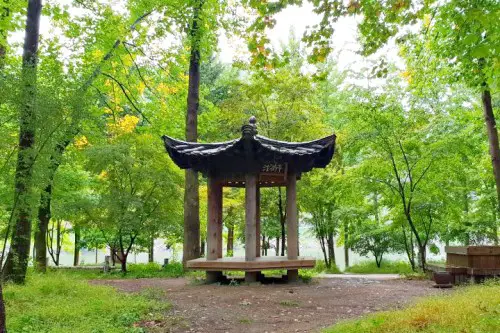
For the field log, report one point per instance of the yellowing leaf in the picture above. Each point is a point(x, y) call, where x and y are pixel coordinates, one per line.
point(140, 88)
point(167, 90)
point(407, 76)
point(124, 125)
point(81, 142)
point(97, 54)
point(427, 20)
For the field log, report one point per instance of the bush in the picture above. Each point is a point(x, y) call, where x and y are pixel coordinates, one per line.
point(306, 275)
point(320, 267)
point(387, 267)
point(152, 269)
point(59, 302)
point(470, 309)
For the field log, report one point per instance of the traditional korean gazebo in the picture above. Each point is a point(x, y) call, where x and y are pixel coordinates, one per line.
point(252, 162)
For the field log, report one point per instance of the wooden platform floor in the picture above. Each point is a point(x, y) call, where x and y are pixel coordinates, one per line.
point(259, 264)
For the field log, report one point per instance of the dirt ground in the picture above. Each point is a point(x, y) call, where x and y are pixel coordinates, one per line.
point(274, 308)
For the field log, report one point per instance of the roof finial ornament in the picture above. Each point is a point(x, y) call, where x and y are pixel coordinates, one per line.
point(253, 121)
point(250, 130)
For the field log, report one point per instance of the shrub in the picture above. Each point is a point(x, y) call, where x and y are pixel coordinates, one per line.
point(153, 269)
point(387, 267)
point(320, 267)
point(291, 303)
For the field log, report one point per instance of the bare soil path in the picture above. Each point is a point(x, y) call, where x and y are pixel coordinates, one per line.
point(274, 308)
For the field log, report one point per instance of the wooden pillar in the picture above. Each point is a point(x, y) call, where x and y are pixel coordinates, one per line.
point(257, 222)
point(250, 223)
point(213, 222)
point(220, 226)
point(292, 223)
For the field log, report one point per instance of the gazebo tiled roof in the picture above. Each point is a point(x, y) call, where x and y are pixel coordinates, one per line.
point(250, 151)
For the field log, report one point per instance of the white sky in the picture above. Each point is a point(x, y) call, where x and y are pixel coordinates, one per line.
point(296, 19)
point(292, 19)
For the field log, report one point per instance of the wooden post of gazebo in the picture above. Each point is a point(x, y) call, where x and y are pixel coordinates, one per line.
point(214, 226)
point(257, 222)
point(250, 223)
point(252, 162)
point(292, 222)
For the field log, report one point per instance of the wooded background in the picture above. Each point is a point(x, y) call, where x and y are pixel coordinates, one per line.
point(83, 108)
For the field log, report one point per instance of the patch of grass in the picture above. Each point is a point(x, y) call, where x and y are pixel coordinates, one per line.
point(320, 267)
point(234, 273)
point(153, 293)
point(287, 302)
point(135, 271)
point(245, 321)
point(306, 275)
point(274, 272)
point(387, 267)
point(59, 302)
point(470, 309)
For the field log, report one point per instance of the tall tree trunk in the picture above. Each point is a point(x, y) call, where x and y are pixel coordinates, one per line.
point(44, 209)
point(50, 244)
point(277, 246)
point(346, 242)
point(76, 254)
point(3, 326)
point(409, 248)
point(124, 251)
point(4, 17)
point(283, 238)
point(44, 215)
point(2, 54)
point(230, 240)
point(331, 248)
point(55, 254)
point(466, 211)
point(202, 247)
point(58, 242)
point(4, 20)
point(325, 251)
point(378, 259)
point(96, 252)
point(123, 262)
point(191, 248)
point(151, 249)
point(17, 259)
point(420, 244)
point(112, 253)
point(263, 246)
point(422, 257)
point(494, 147)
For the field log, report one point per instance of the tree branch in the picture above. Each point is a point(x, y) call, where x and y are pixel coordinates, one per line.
point(124, 90)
